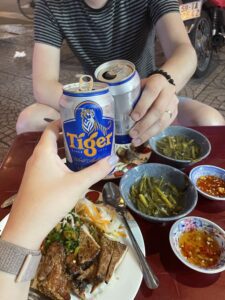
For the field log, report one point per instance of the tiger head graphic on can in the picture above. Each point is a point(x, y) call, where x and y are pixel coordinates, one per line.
point(89, 135)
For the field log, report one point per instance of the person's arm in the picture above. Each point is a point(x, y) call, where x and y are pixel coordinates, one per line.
point(49, 190)
point(158, 105)
point(46, 87)
point(181, 57)
point(48, 39)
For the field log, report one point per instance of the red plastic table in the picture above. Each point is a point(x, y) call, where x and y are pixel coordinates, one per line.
point(176, 280)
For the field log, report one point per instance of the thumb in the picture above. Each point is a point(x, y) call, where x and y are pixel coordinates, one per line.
point(95, 172)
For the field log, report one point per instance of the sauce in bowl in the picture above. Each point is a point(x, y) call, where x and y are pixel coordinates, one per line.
point(212, 185)
point(200, 248)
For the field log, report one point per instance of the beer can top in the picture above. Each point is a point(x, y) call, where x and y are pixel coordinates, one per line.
point(115, 71)
point(74, 90)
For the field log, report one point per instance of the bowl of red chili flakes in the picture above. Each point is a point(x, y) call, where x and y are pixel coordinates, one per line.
point(209, 181)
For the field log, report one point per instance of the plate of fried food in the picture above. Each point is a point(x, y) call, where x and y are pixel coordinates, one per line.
point(129, 157)
point(88, 255)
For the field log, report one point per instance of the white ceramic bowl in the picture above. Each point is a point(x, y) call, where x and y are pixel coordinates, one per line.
point(190, 223)
point(204, 170)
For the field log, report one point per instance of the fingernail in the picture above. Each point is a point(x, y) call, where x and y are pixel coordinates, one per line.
point(135, 116)
point(137, 142)
point(133, 133)
point(113, 159)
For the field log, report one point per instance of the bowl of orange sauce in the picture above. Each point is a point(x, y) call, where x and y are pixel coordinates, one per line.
point(199, 243)
point(209, 181)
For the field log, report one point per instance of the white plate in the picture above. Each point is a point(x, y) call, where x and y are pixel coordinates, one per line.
point(126, 279)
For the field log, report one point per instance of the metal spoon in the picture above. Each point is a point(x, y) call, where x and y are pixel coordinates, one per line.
point(111, 195)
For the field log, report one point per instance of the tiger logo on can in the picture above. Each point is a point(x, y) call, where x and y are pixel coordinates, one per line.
point(90, 135)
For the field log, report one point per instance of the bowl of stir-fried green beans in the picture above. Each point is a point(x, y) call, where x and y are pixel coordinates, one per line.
point(158, 192)
point(180, 146)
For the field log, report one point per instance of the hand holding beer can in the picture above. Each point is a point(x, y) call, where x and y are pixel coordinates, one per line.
point(125, 87)
point(87, 116)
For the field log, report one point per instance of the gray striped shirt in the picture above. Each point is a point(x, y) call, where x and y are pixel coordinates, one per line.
point(122, 29)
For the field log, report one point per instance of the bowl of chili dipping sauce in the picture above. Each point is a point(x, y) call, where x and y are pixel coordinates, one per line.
point(199, 244)
point(209, 181)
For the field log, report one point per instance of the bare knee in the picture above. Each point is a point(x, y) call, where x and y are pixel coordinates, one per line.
point(23, 122)
point(194, 113)
point(209, 116)
point(32, 118)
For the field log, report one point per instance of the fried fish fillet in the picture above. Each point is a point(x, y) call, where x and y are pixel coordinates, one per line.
point(112, 253)
point(89, 274)
point(119, 251)
point(52, 278)
point(58, 274)
point(88, 248)
point(104, 258)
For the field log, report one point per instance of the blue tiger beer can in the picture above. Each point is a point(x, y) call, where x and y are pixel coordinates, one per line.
point(88, 124)
point(125, 87)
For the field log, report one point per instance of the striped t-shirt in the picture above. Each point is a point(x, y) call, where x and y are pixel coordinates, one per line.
point(122, 29)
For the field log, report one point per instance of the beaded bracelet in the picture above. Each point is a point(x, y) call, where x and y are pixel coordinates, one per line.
point(165, 74)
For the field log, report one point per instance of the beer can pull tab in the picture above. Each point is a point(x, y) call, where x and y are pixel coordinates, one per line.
point(86, 83)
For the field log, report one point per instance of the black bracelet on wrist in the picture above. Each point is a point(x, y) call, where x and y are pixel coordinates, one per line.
point(165, 74)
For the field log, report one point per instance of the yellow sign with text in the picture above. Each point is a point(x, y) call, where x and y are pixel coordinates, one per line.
point(190, 10)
